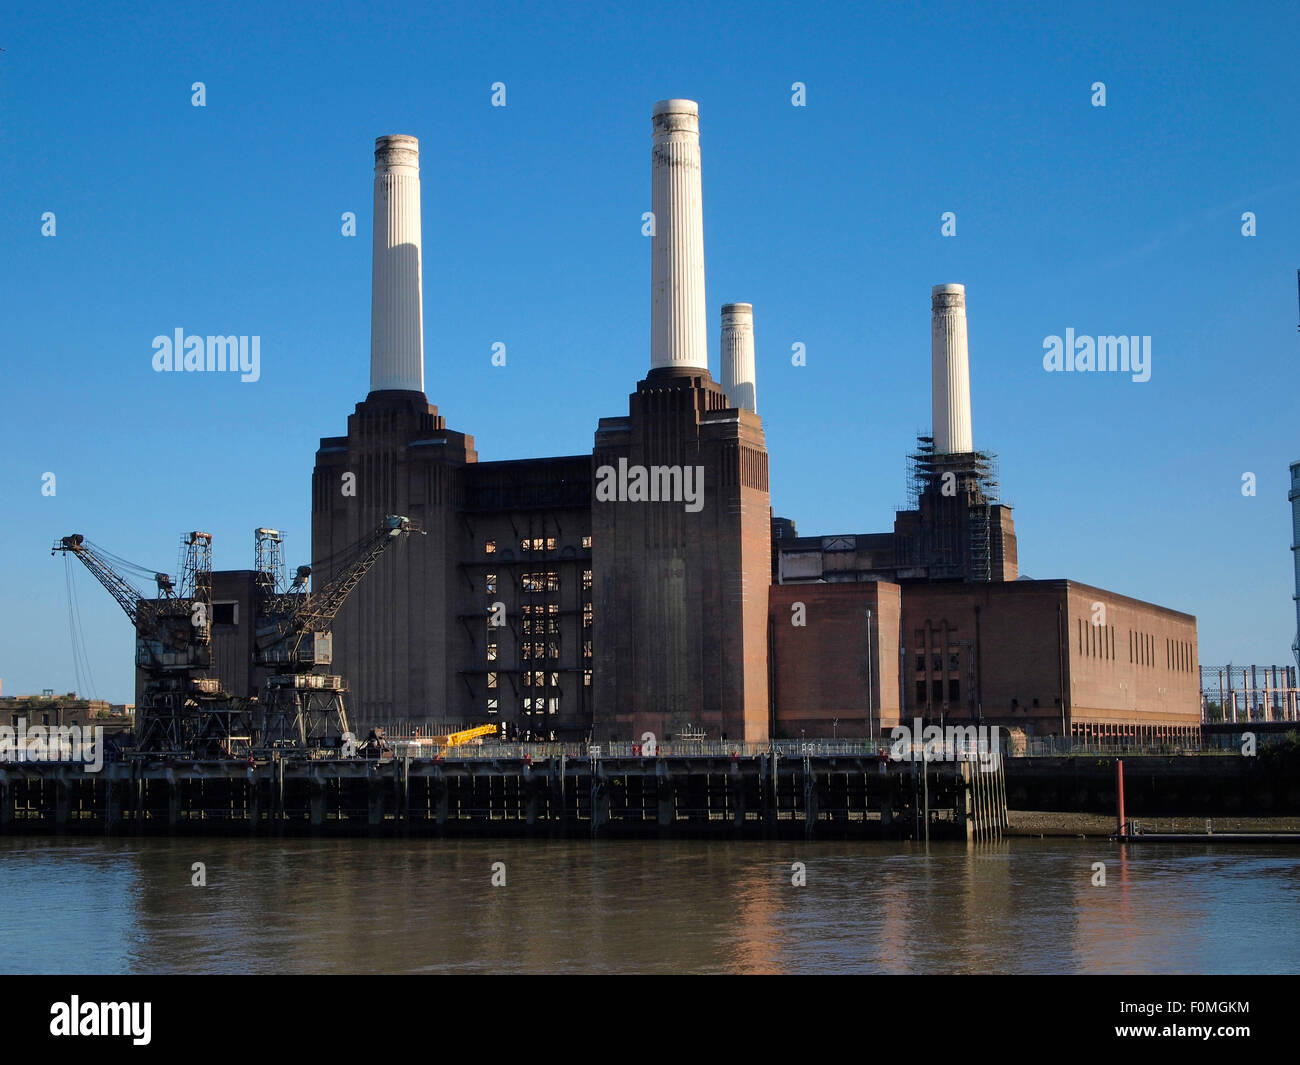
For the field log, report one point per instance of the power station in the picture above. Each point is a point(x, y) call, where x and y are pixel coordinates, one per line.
point(537, 601)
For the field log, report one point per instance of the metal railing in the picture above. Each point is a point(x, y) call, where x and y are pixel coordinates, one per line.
point(1060, 747)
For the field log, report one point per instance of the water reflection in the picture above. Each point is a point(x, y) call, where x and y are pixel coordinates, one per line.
point(368, 906)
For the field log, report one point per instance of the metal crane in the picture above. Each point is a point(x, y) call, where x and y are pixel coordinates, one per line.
point(178, 711)
point(301, 703)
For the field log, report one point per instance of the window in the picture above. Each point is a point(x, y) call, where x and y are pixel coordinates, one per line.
point(492, 649)
point(492, 706)
point(490, 548)
point(936, 691)
point(586, 648)
point(225, 613)
point(586, 580)
point(954, 691)
point(491, 584)
point(492, 680)
point(541, 582)
point(586, 678)
point(936, 662)
point(538, 543)
point(586, 541)
point(920, 663)
point(920, 692)
point(586, 615)
point(953, 663)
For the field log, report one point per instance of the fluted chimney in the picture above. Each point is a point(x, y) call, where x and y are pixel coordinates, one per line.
point(950, 365)
point(396, 300)
point(677, 309)
point(738, 354)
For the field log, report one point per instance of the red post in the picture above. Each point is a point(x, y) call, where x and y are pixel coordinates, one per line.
point(1120, 827)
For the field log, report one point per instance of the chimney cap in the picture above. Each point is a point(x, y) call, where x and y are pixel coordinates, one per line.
point(676, 116)
point(676, 107)
point(396, 149)
point(737, 308)
point(948, 297)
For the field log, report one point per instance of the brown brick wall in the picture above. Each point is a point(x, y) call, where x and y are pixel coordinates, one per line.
point(681, 597)
point(820, 668)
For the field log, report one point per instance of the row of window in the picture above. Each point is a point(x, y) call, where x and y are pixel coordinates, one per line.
point(536, 582)
point(936, 691)
point(532, 543)
point(533, 704)
point(936, 662)
point(531, 679)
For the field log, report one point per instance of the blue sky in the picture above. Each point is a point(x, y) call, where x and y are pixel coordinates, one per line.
point(226, 219)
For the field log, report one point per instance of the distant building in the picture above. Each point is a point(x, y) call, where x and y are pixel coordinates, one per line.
point(68, 709)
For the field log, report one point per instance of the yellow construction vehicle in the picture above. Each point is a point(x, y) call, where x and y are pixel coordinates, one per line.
point(455, 739)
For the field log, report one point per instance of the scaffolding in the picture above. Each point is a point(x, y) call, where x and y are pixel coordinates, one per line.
point(970, 480)
point(926, 468)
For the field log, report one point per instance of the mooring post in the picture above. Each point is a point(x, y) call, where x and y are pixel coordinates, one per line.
point(1121, 829)
point(809, 797)
point(736, 795)
point(969, 808)
point(316, 798)
point(61, 802)
point(254, 799)
point(173, 798)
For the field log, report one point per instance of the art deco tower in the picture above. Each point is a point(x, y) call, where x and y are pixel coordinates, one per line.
point(681, 597)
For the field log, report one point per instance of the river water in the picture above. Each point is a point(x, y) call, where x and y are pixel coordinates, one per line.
point(369, 906)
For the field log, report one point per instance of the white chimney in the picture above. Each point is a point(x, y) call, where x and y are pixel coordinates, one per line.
point(396, 299)
point(738, 354)
point(950, 364)
point(677, 311)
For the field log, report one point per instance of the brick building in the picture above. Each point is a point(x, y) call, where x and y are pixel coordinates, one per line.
point(541, 600)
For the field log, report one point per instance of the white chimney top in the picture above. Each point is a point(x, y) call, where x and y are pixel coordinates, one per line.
point(677, 309)
point(396, 295)
point(950, 368)
point(738, 371)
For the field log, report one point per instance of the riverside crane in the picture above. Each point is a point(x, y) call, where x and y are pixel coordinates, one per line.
point(179, 710)
point(302, 705)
